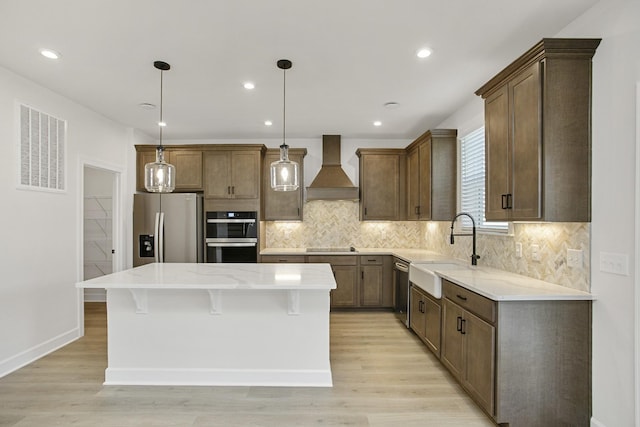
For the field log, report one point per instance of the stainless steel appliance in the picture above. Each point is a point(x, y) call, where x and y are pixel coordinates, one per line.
point(232, 237)
point(167, 228)
point(401, 290)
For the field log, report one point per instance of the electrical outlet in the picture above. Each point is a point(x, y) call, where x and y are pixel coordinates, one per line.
point(614, 263)
point(518, 250)
point(535, 253)
point(574, 258)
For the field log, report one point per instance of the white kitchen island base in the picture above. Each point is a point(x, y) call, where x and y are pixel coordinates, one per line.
point(261, 325)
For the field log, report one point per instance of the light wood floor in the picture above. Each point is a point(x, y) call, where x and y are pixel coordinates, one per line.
point(383, 376)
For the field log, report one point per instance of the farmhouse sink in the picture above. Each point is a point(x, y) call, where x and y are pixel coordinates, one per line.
point(424, 275)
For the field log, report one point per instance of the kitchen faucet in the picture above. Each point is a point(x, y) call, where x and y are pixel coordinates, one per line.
point(474, 256)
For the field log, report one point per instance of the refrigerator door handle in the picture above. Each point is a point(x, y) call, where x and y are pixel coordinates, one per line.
point(161, 237)
point(156, 256)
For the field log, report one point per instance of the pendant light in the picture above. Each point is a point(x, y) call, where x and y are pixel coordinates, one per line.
point(160, 176)
point(284, 172)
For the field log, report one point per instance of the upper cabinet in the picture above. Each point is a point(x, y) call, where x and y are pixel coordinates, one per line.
point(432, 176)
point(233, 172)
point(538, 134)
point(187, 161)
point(382, 183)
point(282, 205)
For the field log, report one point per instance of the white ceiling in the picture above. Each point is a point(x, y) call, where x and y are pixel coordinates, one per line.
point(349, 58)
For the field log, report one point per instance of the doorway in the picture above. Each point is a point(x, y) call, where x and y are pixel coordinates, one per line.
point(100, 187)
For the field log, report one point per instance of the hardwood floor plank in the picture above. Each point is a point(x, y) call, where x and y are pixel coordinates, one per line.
point(383, 376)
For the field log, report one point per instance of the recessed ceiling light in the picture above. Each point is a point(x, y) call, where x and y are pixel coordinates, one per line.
point(249, 85)
point(48, 53)
point(391, 105)
point(423, 53)
point(377, 123)
point(268, 122)
point(147, 106)
point(162, 124)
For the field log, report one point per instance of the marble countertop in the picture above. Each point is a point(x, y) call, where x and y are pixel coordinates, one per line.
point(218, 276)
point(492, 283)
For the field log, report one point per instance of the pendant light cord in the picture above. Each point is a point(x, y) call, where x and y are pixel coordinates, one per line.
point(161, 98)
point(284, 105)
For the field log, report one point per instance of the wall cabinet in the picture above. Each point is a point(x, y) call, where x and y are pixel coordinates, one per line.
point(432, 176)
point(538, 134)
point(523, 362)
point(282, 205)
point(382, 184)
point(232, 174)
point(188, 164)
point(424, 315)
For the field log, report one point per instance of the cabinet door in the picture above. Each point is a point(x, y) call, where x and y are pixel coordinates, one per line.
point(188, 165)
point(479, 372)
point(380, 186)
point(371, 285)
point(525, 96)
point(217, 172)
point(345, 294)
point(497, 153)
point(413, 185)
point(281, 205)
point(432, 325)
point(452, 339)
point(245, 174)
point(424, 210)
point(143, 157)
point(416, 313)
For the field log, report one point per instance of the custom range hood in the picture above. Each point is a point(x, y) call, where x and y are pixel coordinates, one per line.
point(331, 183)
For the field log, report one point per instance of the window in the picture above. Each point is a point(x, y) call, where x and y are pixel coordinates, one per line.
point(472, 183)
point(42, 145)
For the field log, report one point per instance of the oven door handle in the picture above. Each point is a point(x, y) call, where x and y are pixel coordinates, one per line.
point(230, 245)
point(230, 221)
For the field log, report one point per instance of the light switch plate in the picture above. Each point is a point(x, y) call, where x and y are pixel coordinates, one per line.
point(614, 263)
point(574, 258)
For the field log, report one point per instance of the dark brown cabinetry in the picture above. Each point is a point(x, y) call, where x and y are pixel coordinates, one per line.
point(371, 281)
point(538, 134)
point(382, 184)
point(283, 259)
point(282, 205)
point(345, 271)
point(424, 315)
point(523, 362)
point(432, 176)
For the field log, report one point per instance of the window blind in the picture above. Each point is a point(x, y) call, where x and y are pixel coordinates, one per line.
point(472, 182)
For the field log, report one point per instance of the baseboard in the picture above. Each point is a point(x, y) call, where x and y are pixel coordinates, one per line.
point(28, 356)
point(596, 423)
point(219, 377)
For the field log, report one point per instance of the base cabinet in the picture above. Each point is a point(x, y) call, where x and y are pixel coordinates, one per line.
point(424, 318)
point(525, 363)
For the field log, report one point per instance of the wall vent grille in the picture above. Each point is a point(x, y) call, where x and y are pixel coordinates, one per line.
point(42, 150)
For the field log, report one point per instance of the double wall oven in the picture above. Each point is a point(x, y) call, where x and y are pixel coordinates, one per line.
point(231, 236)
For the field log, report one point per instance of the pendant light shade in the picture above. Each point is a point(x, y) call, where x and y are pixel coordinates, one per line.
point(160, 176)
point(284, 172)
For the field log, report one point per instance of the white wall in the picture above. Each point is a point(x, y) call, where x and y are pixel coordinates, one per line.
point(39, 249)
point(616, 71)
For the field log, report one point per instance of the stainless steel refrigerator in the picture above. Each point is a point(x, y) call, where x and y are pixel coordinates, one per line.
point(167, 228)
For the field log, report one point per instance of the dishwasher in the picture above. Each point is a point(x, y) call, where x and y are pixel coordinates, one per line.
point(401, 290)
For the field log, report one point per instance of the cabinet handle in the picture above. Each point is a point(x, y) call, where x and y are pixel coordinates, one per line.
point(459, 324)
point(298, 211)
point(233, 189)
point(362, 274)
point(417, 210)
point(463, 298)
point(509, 201)
point(229, 190)
point(365, 211)
point(504, 201)
point(463, 327)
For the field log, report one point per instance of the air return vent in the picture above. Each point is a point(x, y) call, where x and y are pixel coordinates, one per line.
point(42, 150)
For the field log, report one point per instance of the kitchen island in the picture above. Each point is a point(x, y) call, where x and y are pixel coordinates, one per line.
point(218, 324)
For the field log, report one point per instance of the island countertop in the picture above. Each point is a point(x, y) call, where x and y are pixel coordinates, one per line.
point(218, 276)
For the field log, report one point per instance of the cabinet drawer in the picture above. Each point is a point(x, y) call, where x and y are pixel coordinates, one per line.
point(283, 258)
point(481, 306)
point(371, 259)
point(333, 259)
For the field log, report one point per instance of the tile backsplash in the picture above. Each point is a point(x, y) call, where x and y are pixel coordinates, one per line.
point(337, 224)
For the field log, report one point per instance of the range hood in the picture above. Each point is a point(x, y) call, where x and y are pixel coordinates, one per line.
point(331, 183)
